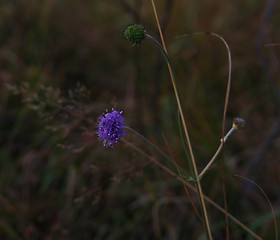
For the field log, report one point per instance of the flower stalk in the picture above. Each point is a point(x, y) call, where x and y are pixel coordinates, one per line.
point(163, 154)
point(237, 124)
point(192, 162)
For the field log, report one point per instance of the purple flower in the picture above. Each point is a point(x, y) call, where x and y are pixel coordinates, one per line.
point(110, 128)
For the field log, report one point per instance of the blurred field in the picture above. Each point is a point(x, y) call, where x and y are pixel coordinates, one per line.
point(63, 63)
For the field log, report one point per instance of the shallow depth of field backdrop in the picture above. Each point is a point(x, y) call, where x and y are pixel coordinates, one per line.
point(63, 63)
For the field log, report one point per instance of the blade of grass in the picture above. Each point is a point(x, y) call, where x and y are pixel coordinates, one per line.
point(265, 195)
point(272, 44)
point(224, 115)
point(156, 148)
point(192, 188)
point(173, 79)
point(183, 139)
point(185, 188)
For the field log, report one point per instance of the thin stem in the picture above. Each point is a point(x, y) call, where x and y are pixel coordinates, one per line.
point(192, 188)
point(159, 28)
point(223, 131)
point(228, 134)
point(211, 161)
point(224, 117)
point(183, 139)
point(269, 202)
point(185, 188)
point(169, 63)
point(156, 148)
point(193, 164)
point(217, 153)
point(271, 44)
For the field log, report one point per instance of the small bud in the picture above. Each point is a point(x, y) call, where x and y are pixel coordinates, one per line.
point(238, 123)
point(135, 34)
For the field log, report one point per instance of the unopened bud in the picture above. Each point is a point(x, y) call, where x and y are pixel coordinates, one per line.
point(135, 34)
point(238, 123)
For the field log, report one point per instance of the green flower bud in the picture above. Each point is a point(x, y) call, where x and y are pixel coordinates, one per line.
point(135, 34)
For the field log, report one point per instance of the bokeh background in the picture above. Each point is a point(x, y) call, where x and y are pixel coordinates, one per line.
point(63, 63)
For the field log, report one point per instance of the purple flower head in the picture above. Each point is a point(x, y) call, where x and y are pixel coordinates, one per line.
point(110, 128)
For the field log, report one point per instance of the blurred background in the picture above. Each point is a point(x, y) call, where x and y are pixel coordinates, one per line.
point(63, 63)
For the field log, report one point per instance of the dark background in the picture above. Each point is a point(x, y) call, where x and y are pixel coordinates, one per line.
point(63, 63)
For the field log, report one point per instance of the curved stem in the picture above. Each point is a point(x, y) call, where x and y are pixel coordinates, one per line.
point(192, 162)
point(192, 188)
point(217, 152)
point(224, 117)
